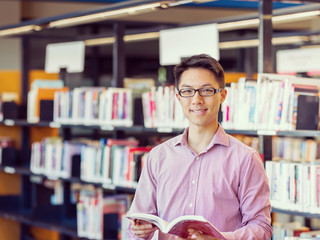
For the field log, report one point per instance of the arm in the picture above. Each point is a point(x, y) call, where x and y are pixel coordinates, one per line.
point(145, 202)
point(253, 195)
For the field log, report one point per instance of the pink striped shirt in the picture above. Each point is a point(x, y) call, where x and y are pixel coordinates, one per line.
point(225, 183)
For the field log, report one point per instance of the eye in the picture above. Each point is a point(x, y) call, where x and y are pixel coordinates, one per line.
point(187, 91)
point(207, 90)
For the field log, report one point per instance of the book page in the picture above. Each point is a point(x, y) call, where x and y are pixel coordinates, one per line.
point(155, 220)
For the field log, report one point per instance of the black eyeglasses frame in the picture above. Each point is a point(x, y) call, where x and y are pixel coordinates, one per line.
point(198, 90)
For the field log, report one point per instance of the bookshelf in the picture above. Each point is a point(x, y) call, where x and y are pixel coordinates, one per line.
point(65, 224)
point(70, 231)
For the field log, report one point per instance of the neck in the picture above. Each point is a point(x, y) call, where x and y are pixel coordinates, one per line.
point(199, 137)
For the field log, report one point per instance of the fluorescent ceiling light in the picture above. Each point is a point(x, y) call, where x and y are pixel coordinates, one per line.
point(222, 45)
point(239, 44)
point(275, 20)
point(105, 15)
point(99, 41)
point(141, 36)
point(295, 16)
point(255, 42)
point(177, 3)
point(290, 39)
point(18, 30)
point(126, 38)
point(238, 24)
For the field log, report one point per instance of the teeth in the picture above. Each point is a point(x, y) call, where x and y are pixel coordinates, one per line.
point(199, 110)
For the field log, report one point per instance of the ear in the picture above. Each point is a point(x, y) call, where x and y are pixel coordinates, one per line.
point(223, 95)
point(178, 97)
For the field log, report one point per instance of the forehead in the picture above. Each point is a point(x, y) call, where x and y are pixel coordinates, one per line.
point(198, 77)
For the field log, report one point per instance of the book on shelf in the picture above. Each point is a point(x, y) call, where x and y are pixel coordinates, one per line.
point(94, 106)
point(116, 166)
point(106, 161)
point(138, 85)
point(5, 98)
point(161, 109)
point(180, 225)
point(294, 186)
point(310, 234)
point(55, 158)
point(271, 103)
point(35, 96)
point(295, 149)
point(282, 230)
point(98, 216)
point(136, 159)
point(307, 112)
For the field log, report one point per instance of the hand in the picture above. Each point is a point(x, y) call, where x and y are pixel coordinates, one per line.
point(142, 229)
point(194, 234)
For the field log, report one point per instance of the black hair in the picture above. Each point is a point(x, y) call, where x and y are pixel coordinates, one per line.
point(200, 61)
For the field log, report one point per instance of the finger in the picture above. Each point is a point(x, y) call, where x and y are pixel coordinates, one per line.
point(144, 233)
point(142, 227)
point(195, 234)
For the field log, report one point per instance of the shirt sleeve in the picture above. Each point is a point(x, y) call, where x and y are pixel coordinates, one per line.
point(145, 196)
point(253, 194)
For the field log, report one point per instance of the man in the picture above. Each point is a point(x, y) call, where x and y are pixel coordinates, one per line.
point(204, 171)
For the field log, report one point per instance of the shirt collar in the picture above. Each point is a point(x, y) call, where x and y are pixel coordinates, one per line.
point(220, 138)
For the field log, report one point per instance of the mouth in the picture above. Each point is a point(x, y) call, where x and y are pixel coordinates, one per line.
point(198, 110)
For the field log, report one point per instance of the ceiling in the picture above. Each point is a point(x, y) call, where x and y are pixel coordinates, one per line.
point(185, 14)
point(214, 11)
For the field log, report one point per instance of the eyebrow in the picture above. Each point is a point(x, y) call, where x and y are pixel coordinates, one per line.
point(204, 85)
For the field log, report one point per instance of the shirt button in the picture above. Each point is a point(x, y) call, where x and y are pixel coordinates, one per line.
point(197, 158)
point(190, 205)
point(193, 181)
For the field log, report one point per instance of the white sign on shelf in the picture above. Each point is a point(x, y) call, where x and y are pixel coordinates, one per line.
point(9, 170)
point(54, 125)
point(179, 43)
point(9, 122)
point(69, 55)
point(298, 60)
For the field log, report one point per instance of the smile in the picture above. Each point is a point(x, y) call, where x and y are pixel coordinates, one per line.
point(198, 110)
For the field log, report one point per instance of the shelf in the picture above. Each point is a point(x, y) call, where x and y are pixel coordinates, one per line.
point(135, 128)
point(37, 178)
point(54, 226)
point(25, 123)
point(15, 170)
point(164, 130)
point(296, 133)
point(303, 214)
point(242, 132)
point(299, 133)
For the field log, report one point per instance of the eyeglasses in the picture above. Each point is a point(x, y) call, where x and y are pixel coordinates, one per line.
point(203, 92)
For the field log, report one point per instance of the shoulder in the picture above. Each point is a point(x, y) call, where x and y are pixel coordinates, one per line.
point(245, 154)
point(167, 146)
point(238, 145)
point(246, 161)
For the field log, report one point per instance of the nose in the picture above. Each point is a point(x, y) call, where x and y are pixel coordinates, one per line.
point(197, 99)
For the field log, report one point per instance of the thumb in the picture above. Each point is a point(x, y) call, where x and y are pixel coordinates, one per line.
point(195, 233)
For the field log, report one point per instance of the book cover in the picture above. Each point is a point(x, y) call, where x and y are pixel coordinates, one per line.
point(180, 225)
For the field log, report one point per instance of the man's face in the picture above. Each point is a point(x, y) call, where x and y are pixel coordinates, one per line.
point(200, 111)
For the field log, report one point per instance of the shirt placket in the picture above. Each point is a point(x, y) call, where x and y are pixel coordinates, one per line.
point(193, 186)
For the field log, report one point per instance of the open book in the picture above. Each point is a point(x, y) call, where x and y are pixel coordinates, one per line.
point(180, 225)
